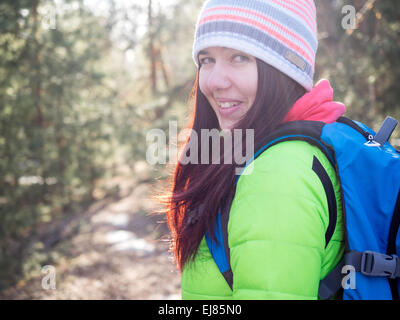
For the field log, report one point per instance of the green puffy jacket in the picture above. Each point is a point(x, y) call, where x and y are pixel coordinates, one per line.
point(276, 231)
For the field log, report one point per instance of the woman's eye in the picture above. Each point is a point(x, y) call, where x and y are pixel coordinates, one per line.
point(240, 58)
point(205, 60)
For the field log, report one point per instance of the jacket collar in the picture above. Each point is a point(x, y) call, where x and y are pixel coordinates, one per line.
point(317, 105)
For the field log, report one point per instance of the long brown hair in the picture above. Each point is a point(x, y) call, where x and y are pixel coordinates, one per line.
point(197, 190)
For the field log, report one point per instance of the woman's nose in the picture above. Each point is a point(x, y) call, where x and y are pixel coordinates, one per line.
point(219, 78)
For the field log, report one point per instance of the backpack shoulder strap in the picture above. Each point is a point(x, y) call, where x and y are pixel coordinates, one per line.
point(219, 247)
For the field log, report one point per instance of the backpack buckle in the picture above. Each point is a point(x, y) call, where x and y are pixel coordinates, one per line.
point(379, 264)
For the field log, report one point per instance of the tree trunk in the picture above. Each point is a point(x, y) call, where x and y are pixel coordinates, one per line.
point(152, 51)
point(36, 79)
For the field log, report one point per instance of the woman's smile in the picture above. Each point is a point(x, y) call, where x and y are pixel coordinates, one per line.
point(227, 107)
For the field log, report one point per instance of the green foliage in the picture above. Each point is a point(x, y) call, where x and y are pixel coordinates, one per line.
point(53, 119)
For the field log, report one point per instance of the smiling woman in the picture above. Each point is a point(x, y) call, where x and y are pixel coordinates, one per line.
point(255, 71)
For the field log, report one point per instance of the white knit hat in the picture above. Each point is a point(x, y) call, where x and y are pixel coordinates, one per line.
point(282, 33)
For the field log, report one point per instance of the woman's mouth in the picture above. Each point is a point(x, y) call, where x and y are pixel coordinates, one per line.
point(227, 108)
point(225, 105)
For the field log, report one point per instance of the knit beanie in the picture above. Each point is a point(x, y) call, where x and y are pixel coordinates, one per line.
point(282, 33)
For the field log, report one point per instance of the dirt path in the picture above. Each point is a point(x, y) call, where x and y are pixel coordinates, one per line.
point(116, 254)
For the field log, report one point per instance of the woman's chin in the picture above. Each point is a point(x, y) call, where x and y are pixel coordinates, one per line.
point(226, 126)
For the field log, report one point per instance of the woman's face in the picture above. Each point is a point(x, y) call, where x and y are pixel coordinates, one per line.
point(228, 78)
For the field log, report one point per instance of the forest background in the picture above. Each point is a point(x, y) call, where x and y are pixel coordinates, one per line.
point(83, 81)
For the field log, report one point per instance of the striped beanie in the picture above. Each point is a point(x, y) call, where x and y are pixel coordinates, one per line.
point(282, 33)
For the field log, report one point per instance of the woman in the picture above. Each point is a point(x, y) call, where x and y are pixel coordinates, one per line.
point(255, 64)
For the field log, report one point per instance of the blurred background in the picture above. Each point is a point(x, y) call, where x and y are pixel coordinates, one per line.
point(81, 84)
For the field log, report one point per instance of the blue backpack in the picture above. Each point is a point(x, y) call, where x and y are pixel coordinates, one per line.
point(368, 168)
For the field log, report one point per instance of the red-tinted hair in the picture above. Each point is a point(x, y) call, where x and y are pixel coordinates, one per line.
point(197, 190)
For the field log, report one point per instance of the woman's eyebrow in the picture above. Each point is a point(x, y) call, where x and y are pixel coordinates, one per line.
point(203, 52)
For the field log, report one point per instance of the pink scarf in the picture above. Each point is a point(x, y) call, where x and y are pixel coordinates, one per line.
point(317, 105)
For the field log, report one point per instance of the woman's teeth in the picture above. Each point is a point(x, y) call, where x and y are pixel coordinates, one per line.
point(228, 104)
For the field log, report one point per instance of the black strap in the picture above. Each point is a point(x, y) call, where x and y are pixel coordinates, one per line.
point(386, 130)
point(225, 211)
point(330, 194)
point(331, 284)
point(391, 249)
point(228, 276)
